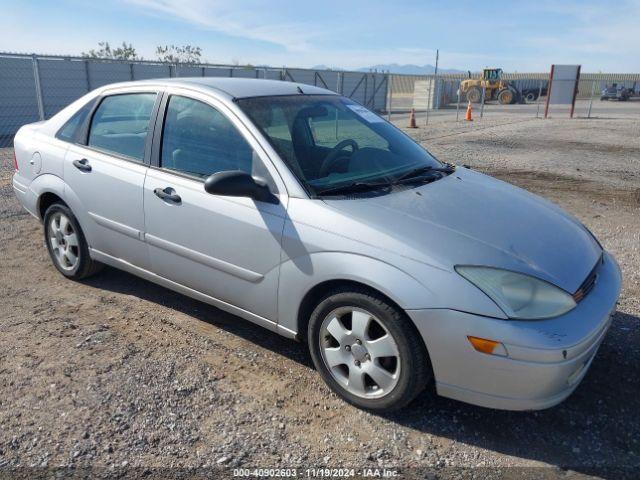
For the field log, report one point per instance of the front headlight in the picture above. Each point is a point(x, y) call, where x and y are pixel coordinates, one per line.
point(519, 296)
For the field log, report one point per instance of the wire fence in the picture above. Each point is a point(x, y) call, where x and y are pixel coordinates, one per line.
point(441, 98)
point(35, 87)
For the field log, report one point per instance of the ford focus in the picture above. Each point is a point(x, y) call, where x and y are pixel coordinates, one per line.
point(302, 211)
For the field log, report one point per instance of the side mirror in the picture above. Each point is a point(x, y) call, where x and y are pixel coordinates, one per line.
point(236, 183)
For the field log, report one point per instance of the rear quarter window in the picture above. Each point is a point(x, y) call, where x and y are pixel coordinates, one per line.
point(72, 131)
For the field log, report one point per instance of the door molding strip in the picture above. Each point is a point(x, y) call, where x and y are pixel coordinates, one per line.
point(118, 227)
point(236, 271)
point(190, 292)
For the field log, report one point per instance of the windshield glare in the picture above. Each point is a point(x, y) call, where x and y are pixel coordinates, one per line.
point(330, 141)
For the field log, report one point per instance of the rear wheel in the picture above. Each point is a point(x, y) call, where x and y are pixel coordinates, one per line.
point(474, 95)
point(367, 351)
point(66, 244)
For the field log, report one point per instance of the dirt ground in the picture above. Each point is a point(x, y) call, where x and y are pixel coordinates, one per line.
point(116, 373)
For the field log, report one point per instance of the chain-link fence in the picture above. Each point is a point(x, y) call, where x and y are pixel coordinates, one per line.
point(35, 87)
point(437, 98)
point(614, 96)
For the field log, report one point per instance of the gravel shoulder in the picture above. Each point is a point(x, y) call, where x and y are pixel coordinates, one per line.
point(116, 372)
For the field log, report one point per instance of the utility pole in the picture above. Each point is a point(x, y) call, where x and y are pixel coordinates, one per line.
point(435, 79)
point(433, 89)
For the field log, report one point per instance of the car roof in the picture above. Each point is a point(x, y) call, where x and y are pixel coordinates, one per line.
point(237, 87)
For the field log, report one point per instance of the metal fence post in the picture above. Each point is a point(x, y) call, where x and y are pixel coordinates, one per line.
point(484, 91)
point(36, 76)
point(429, 101)
point(436, 92)
point(86, 72)
point(389, 95)
point(593, 91)
point(538, 99)
point(458, 103)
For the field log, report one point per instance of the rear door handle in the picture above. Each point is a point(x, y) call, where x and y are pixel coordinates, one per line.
point(168, 194)
point(82, 165)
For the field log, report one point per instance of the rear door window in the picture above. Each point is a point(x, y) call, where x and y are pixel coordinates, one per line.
point(121, 123)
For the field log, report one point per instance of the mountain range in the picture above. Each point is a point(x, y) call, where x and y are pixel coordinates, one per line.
point(408, 69)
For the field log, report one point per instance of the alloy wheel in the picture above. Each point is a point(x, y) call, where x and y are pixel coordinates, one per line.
point(360, 352)
point(64, 241)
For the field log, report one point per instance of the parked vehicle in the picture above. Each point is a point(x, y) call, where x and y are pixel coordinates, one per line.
point(304, 212)
point(532, 94)
point(615, 92)
point(633, 90)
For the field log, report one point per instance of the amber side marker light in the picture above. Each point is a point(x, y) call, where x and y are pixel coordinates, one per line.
point(490, 347)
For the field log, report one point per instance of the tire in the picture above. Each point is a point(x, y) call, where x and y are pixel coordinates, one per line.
point(67, 245)
point(531, 97)
point(506, 97)
point(474, 95)
point(387, 375)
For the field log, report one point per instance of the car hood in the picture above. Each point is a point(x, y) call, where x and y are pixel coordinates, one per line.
point(468, 218)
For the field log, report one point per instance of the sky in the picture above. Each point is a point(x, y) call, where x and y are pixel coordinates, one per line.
point(523, 36)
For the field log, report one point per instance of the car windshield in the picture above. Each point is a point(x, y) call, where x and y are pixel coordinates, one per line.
point(330, 141)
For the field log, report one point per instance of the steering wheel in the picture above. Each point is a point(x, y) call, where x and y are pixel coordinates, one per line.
point(336, 154)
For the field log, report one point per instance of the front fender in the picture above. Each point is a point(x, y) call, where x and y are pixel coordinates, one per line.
point(411, 285)
point(299, 275)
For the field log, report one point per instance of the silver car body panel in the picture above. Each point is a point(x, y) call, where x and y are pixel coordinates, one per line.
point(546, 358)
point(112, 184)
point(260, 260)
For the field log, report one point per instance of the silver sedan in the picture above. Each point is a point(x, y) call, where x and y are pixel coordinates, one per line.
point(304, 212)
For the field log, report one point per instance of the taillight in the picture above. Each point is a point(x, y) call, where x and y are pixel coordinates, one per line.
point(15, 161)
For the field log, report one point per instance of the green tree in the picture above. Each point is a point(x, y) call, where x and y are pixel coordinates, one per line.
point(177, 54)
point(124, 52)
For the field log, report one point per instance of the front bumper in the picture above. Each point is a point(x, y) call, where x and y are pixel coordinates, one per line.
point(546, 359)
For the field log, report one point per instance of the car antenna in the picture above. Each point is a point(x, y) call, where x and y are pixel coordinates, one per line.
point(300, 90)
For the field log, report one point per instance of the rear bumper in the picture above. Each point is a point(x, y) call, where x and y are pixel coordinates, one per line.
point(546, 359)
point(27, 198)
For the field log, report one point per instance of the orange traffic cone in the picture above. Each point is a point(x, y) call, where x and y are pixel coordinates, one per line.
point(412, 119)
point(467, 117)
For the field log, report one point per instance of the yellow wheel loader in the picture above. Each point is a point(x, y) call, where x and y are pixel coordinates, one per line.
point(495, 88)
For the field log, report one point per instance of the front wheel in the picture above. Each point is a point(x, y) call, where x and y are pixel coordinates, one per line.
point(474, 95)
point(367, 351)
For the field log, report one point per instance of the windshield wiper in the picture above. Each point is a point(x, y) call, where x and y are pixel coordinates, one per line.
point(351, 187)
point(418, 172)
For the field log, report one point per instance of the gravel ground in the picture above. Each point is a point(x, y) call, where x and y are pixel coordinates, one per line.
point(115, 373)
